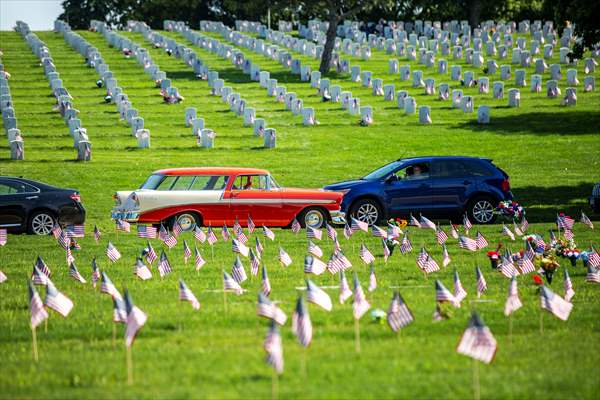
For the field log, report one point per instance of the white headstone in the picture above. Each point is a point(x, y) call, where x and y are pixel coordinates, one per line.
point(520, 78)
point(393, 66)
point(424, 115)
point(467, 104)
point(143, 138)
point(442, 67)
point(484, 85)
point(354, 106)
point(555, 72)
point(572, 77)
point(335, 92)
point(84, 150)
point(552, 89)
point(366, 78)
point(377, 87)
point(355, 73)
point(366, 115)
point(410, 105)
point(401, 96)
point(457, 95)
point(308, 116)
point(207, 138)
point(417, 79)
point(455, 72)
point(345, 100)
point(469, 79)
point(536, 83)
point(388, 92)
point(483, 115)
point(197, 126)
point(444, 91)
point(430, 86)
point(259, 127)
point(570, 97)
point(405, 72)
point(137, 123)
point(270, 138)
point(589, 84)
point(505, 72)
point(514, 98)
point(249, 116)
point(315, 79)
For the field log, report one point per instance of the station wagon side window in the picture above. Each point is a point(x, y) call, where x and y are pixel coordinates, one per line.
point(251, 182)
point(183, 182)
point(166, 183)
point(209, 182)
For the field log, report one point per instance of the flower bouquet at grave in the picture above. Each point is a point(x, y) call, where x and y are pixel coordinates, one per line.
point(399, 222)
point(533, 240)
point(548, 263)
point(567, 249)
point(494, 256)
point(510, 210)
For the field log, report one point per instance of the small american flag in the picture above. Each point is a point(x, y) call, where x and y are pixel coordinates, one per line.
point(240, 248)
point(123, 226)
point(526, 263)
point(594, 258)
point(335, 265)
point(552, 237)
point(237, 271)
point(507, 267)
point(69, 256)
point(274, 349)
point(427, 223)
point(148, 232)
point(176, 229)
point(141, 270)
point(445, 256)
point(254, 263)
point(301, 324)
point(258, 246)
point(97, 234)
point(38, 277)
point(149, 253)
point(3, 237)
point(241, 236)
point(585, 220)
point(268, 233)
point(164, 267)
point(513, 302)
point(211, 238)
point(593, 275)
point(314, 249)
point(296, 226)
point(251, 225)
point(225, 233)
point(467, 224)
point(3, 277)
point(480, 241)
point(431, 265)
point(185, 294)
point(230, 285)
point(265, 285)
point(336, 245)
point(378, 232)
point(405, 245)
point(56, 231)
point(57, 301)
point(36, 307)
point(359, 225)
point(569, 234)
point(76, 231)
point(564, 221)
point(398, 315)
point(360, 305)
point(112, 253)
point(524, 225)
point(372, 280)
point(386, 250)
point(467, 243)
point(318, 296)
point(169, 240)
point(119, 310)
point(422, 258)
point(414, 222)
point(237, 228)
point(267, 309)
point(441, 236)
point(74, 273)
point(477, 341)
point(312, 265)
point(507, 232)
point(481, 283)
point(95, 272)
point(555, 304)
point(517, 230)
point(106, 286)
point(331, 232)
point(284, 257)
point(312, 233)
point(453, 231)
point(345, 292)
point(343, 259)
point(365, 255)
point(394, 231)
point(136, 319)
point(187, 252)
point(348, 232)
point(198, 260)
point(41, 265)
point(64, 240)
point(459, 292)
point(199, 234)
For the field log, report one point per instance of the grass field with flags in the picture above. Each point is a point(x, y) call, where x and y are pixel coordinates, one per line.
point(551, 153)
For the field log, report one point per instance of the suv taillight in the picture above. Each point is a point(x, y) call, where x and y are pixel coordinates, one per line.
point(506, 185)
point(76, 197)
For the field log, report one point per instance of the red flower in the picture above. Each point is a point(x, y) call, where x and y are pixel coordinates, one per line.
point(537, 279)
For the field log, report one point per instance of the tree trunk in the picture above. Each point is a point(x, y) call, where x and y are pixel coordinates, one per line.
point(475, 8)
point(329, 43)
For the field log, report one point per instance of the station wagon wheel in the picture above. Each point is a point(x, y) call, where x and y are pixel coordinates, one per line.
point(313, 217)
point(367, 211)
point(41, 223)
point(481, 210)
point(187, 221)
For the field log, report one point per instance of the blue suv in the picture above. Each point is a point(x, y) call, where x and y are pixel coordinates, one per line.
point(437, 187)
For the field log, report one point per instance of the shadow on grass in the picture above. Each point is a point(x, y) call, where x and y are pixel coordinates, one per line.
point(540, 123)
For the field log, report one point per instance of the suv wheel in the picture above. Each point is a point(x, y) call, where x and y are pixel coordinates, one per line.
point(41, 223)
point(481, 210)
point(366, 210)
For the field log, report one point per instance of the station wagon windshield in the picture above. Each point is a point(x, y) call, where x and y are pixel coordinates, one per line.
point(383, 171)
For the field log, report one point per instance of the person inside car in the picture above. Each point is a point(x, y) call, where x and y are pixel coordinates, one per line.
point(417, 172)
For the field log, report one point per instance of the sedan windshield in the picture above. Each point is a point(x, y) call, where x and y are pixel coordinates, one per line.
point(383, 171)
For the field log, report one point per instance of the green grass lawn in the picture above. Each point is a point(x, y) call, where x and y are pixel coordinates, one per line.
point(551, 153)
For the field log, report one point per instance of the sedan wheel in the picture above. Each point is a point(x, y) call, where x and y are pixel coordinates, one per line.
point(367, 212)
point(482, 211)
point(314, 218)
point(41, 224)
point(186, 221)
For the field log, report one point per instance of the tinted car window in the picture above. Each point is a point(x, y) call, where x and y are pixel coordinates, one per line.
point(14, 187)
point(414, 172)
point(459, 168)
point(478, 168)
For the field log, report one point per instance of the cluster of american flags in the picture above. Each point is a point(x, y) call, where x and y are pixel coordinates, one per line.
point(477, 341)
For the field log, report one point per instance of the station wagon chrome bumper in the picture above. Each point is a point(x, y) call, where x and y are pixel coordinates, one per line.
point(338, 217)
point(124, 215)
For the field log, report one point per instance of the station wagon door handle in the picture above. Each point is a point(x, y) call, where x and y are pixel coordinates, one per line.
point(32, 197)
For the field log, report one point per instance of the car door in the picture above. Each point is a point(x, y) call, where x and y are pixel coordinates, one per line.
point(451, 183)
point(251, 195)
point(406, 192)
point(16, 199)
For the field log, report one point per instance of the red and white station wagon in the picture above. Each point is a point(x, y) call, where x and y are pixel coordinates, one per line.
point(217, 196)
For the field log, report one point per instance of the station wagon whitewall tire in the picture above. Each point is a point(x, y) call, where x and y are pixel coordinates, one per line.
point(313, 217)
point(187, 221)
point(41, 223)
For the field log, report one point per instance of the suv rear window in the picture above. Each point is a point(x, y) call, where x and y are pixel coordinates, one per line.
point(459, 168)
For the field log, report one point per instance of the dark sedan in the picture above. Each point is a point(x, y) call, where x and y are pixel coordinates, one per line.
point(437, 187)
point(35, 207)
